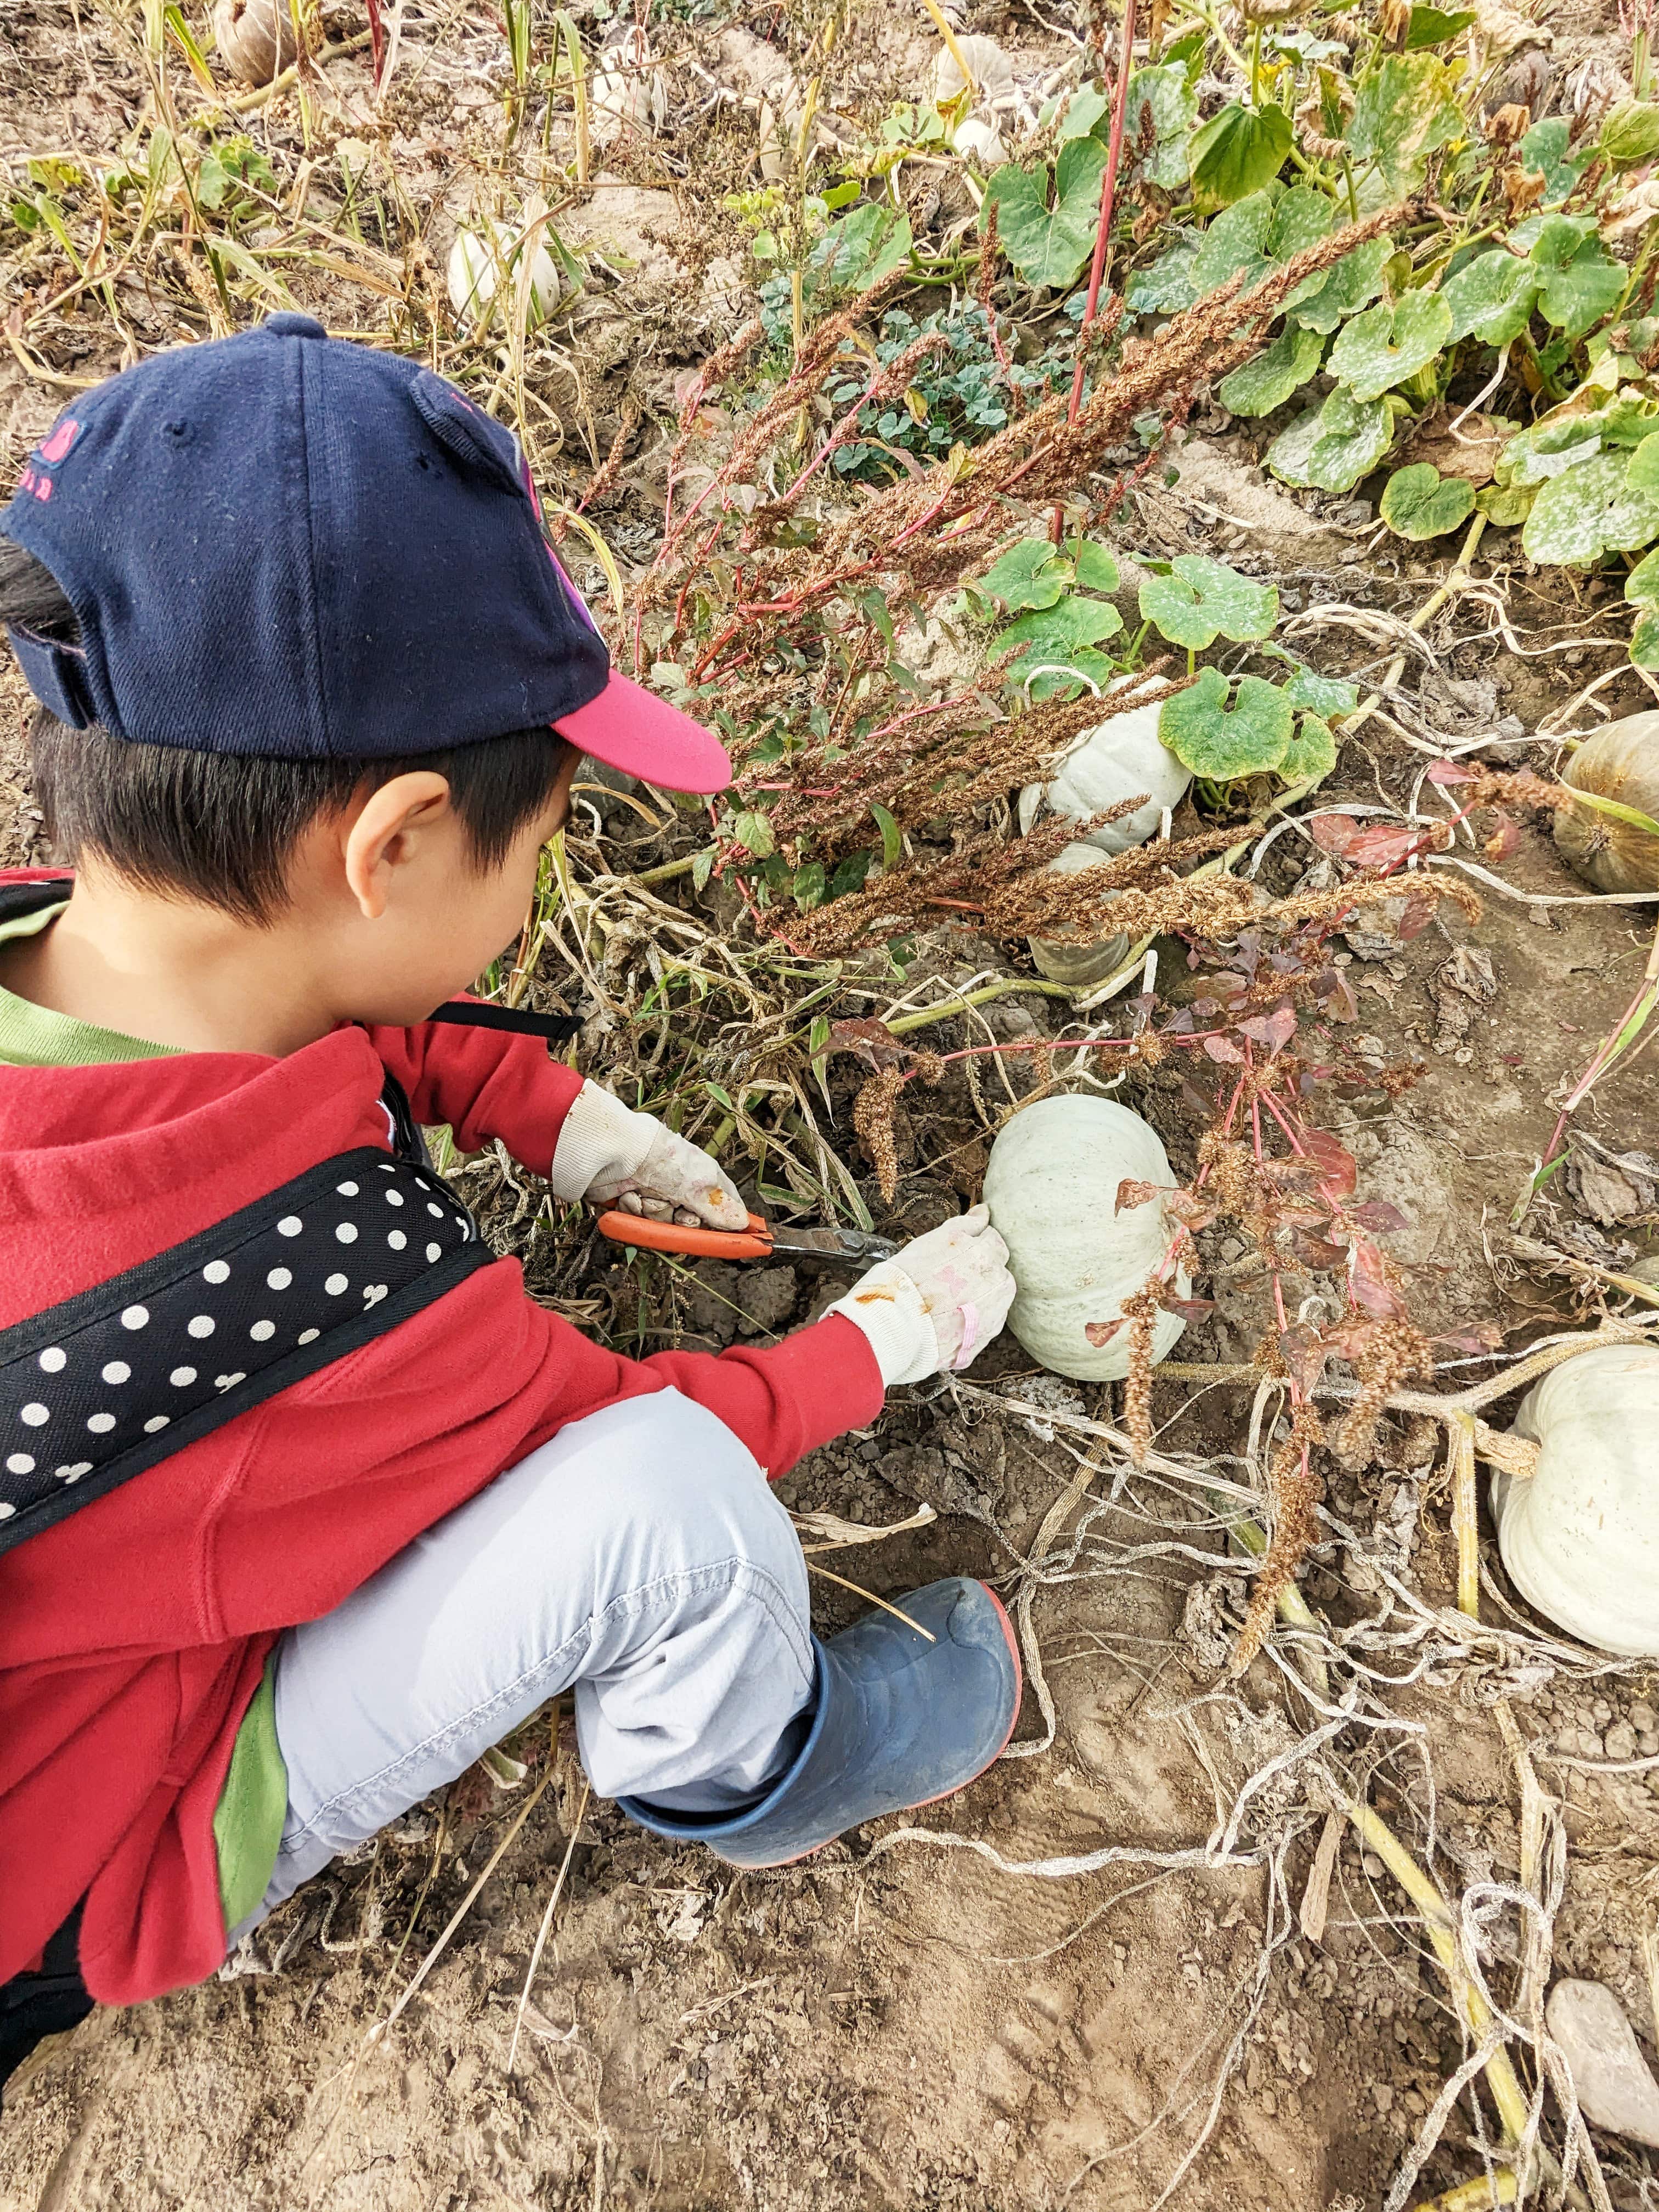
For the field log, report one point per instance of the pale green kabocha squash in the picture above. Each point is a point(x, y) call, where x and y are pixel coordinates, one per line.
point(1052, 1188)
point(1580, 1535)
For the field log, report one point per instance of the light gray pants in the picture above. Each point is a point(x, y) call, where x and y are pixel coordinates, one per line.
point(639, 1555)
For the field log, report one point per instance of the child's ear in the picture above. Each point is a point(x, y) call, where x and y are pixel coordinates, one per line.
point(384, 834)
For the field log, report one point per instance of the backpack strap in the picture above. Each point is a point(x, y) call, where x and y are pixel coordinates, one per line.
point(98, 1388)
point(479, 1014)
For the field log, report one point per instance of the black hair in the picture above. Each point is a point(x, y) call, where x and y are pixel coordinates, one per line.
point(221, 828)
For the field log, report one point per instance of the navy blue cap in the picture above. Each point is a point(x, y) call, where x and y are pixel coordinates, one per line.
point(293, 545)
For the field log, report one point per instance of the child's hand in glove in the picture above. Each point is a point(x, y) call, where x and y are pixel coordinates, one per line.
point(937, 1303)
point(613, 1157)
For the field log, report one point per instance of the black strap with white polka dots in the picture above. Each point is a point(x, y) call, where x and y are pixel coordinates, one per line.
point(96, 1390)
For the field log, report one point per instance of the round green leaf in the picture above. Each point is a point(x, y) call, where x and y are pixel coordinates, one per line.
point(1165, 286)
point(1235, 245)
point(1630, 133)
point(1644, 642)
point(1237, 152)
point(1049, 245)
point(1043, 673)
point(1330, 447)
point(1267, 381)
point(1323, 695)
point(1060, 630)
point(1312, 754)
point(1352, 284)
point(1419, 502)
point(1028, 574)
point(1490, 297)
point(1590, 511)
point(1166, 96)
point(1403, 113)
point(1642, 585)
point(1218, 742)
point(1201, 599)
point(1576, 296)
point(1644, 466)
point(1385, 345)
point(1097, 569)
point(1547, 146)
point(1506, 507)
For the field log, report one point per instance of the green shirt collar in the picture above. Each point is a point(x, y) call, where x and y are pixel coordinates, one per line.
point(35, 1036)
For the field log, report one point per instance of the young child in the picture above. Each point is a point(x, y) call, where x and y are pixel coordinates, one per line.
point(303, 1501)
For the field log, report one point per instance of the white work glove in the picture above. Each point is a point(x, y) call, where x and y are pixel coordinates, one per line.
point(936, 1304)
point(614, 1157)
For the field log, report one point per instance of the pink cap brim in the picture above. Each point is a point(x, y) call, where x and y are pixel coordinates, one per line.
point(631, 728)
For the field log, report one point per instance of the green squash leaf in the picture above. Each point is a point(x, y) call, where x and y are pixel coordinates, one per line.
point(1311, 753)
point(1028, 574)
point(1576, 295)
point(1324, 696)
point(1590, 511)
point(1167, 95)
point(1165, 286)
point(1419, 502)
point(1330, 447)
point(1087, 105)
point(1404, 112)
point(1049, 245)
point(1432, 26)
point(1302, 217)
point(1385, 345)
point(1201, 599)
point(1267, 381)
point(1062, 628)
point(1097, 569)
point(1643, 473)
point(1235, 245)
point(1644, 642)
point(1490, 297)
point(1506, 507)
point(1354, 281)
point(1630, 133)
point(864, 246)
point(1219, 742)
point(1236, 153)
point(1642, 585)
point(1547, 147)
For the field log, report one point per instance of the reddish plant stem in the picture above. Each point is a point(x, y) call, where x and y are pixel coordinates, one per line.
point(1102, 233)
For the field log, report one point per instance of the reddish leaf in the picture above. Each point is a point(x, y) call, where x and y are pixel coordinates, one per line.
point(1444, 772)
point(1482, 1336)
point(1131, 1193)
point(1337, 1170)
point(1192, 1309)
point(1221, 1048)
point(1382, 846)
point(1304, 1355)
point(1102, 1332)
point(1503, 840)
point(1369, 1285)
point(1189, 1209)
point(1317, 1252)
point(1332, 833)
point(1418, 914)
point(1377, 1213)
point(871, 1040)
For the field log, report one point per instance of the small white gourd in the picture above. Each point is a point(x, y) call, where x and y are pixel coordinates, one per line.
point(1108, 764)
point(1580, 1535)
point(627, 92)
point(1052, 1188)
point(979, 142)
point(1076, 957)
point(484, 261)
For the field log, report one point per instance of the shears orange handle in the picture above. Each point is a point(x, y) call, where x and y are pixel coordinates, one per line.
point(754, 1242)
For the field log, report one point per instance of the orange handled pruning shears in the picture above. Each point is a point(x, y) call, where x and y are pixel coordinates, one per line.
point(759, 1241)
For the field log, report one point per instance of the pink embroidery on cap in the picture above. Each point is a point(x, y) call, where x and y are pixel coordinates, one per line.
point(57, 445)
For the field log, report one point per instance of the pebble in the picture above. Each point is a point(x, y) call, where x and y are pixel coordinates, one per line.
point(1615, 2087)
point(1620, 1741)
point(1643, 1718)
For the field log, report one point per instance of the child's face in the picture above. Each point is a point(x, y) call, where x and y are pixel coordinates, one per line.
point(417, 919)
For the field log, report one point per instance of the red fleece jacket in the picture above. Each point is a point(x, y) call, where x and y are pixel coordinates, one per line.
point(133, 1634)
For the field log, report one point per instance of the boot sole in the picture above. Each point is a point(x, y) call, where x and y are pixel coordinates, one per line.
point(769, 1866)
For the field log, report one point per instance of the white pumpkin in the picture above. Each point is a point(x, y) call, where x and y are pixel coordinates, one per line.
point(480, 262)
point(1079, 958)
point(979, 142)
point(629, 92)
point(1115, 760)
point(1052, 1188)
point(1580, 1537)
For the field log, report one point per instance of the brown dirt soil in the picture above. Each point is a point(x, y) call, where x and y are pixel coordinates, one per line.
point(963, 2023)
